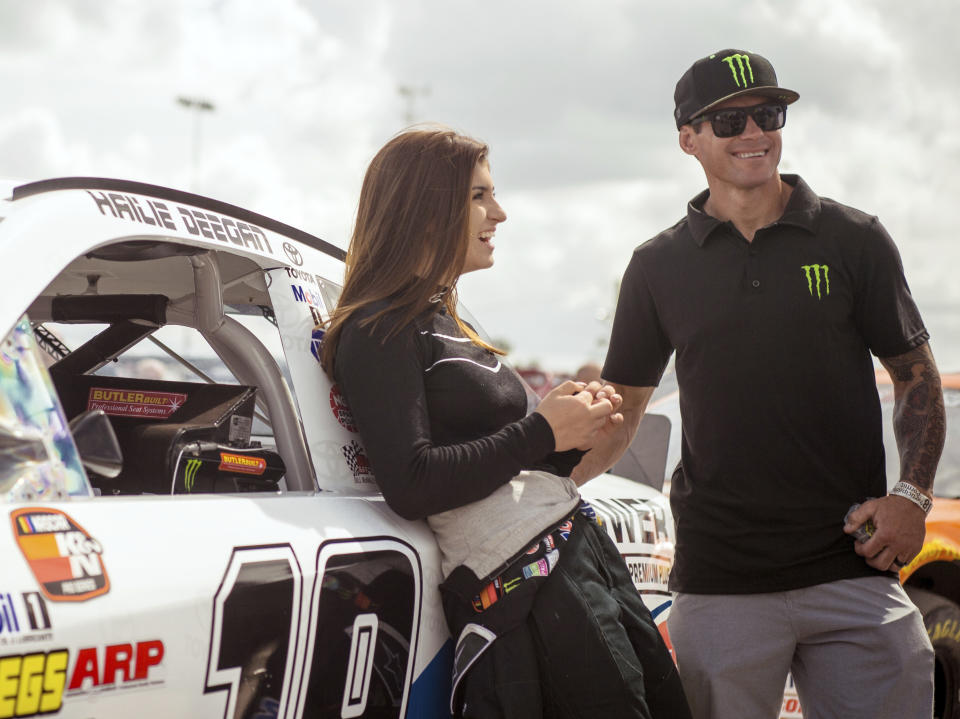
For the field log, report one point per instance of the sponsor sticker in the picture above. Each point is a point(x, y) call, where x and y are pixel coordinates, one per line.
point(32, 684)
point(230, 462)
point(240, 429)
point(126, 665)
point(357, 462)
point(316, 340)
point(135, 403)
point(340, 409)
point(64, 558)
point(292, 253)
point(23, 618)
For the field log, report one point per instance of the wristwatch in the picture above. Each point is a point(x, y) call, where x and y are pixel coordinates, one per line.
point(908, 491)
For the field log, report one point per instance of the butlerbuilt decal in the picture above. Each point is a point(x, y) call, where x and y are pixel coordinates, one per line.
point(232, 462)
point(135, 403)
point(66, 561)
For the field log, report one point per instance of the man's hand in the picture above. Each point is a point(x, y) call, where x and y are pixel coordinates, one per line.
point(602, 391)
point(613, 438)
point(575, 415)
point(899, 529)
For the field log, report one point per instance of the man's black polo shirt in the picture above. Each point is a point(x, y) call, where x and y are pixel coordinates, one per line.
point(781, 419)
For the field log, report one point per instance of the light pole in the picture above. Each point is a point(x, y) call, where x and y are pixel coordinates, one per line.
point(410, 93)
point(199, 106)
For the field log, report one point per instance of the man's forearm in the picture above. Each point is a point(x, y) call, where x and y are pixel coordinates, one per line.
point(612, 444)
point(919, 420)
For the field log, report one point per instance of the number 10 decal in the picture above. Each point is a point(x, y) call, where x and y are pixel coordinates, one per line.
point(351, 656)
point(256, 619)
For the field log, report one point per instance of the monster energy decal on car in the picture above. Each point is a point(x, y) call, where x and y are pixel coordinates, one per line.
point(814, 273)
point(190, 473)
point(739, 63)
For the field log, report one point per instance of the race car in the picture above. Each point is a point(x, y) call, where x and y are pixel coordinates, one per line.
point(192, 526)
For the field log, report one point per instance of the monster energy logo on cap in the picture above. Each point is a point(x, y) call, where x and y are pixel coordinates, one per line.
point(812, 273)
point(739, 63)
point(190, 473)
point(706, 83)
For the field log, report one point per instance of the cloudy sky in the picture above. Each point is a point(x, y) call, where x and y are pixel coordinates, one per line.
point(575, 99)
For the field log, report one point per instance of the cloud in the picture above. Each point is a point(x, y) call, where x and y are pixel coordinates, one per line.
point(575, 99)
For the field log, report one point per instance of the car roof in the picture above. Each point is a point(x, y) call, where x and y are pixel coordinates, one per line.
point(87, 224)
point(142, 188)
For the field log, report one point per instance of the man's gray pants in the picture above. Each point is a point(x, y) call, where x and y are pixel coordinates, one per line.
point(856, 648)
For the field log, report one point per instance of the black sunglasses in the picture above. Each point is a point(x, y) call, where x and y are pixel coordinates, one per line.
point(733, 120)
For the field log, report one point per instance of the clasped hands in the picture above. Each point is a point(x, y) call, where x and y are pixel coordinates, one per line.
point(579, 413)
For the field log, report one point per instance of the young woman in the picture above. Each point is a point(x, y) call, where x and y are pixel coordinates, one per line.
point(546, 618)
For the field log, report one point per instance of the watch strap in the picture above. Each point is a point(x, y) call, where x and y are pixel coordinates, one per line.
point(908, 491)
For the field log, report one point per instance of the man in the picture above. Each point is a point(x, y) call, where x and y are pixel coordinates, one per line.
point(773, 299)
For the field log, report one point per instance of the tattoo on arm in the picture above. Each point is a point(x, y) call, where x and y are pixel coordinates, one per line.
point(919, 421)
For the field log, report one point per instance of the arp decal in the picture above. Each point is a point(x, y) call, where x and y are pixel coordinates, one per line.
point(340, 409)
point(116, 666)
point(231, 462)
point(63, 557)
point(32, 684)
point(130, 403)
point(23, 618)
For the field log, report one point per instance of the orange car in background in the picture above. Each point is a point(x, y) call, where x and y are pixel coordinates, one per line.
point(932, 579)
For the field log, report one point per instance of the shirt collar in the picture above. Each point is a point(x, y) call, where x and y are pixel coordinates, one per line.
point(802, 210)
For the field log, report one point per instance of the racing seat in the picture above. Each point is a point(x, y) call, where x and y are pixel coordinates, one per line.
point(176, 437)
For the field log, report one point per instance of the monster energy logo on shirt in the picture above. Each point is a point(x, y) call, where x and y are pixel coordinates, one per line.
point(739, 63)
point(812, 273)
point(190, 474)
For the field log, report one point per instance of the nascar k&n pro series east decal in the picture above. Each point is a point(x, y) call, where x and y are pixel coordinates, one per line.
point(63, 557)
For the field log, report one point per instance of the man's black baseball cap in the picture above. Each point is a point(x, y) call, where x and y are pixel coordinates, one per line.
point(722, 75)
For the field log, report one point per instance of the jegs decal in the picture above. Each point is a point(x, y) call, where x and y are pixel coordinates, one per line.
point(64, 558)
point(32, 684)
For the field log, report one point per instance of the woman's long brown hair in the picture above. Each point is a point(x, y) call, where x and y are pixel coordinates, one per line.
point(411, 234)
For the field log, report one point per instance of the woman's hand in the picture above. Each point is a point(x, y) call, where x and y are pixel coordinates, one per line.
point(578, 412)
